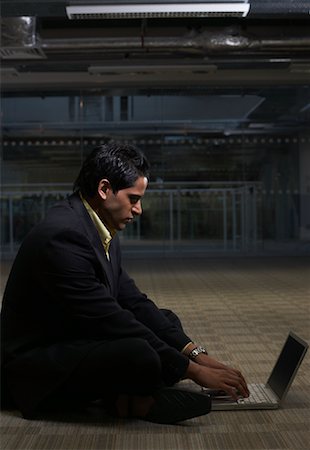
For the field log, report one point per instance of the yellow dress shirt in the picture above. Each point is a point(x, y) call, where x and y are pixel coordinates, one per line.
point(105, 235)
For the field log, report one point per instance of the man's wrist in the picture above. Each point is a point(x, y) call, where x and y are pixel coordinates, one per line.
point(192, 370)
point(196, 352)
point(192, 350)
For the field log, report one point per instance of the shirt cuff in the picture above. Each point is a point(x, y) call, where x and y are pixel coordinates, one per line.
point(186, 346)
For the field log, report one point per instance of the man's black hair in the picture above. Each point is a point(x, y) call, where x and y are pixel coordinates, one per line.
point(121, 165)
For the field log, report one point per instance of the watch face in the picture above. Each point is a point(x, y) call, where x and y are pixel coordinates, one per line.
point(196, 351)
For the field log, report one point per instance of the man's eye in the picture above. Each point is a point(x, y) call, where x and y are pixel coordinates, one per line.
point(134, 199)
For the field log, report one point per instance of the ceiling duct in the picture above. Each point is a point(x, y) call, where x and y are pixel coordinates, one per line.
point(159, 10)
point(223, 40)
point(19, 39)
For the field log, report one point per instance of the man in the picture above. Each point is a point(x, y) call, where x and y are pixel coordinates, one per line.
point(75, 328)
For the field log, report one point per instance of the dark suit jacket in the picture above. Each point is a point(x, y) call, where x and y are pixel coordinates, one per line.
point(63, 297)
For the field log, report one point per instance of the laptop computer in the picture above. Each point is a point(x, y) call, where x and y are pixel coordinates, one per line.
point(271, 394)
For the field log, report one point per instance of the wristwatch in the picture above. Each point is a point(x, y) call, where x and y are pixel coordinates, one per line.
point(195, 352)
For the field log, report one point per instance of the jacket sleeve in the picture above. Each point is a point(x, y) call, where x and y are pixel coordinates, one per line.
point(78, 289)
point(146, 311)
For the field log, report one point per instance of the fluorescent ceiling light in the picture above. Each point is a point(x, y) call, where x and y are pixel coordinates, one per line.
point(161, 10)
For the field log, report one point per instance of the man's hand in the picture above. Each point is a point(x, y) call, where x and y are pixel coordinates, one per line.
point(215, 375)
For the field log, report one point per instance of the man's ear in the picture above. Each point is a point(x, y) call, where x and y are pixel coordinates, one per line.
point(104, 187)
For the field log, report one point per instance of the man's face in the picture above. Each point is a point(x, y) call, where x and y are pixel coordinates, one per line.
point(117, 210)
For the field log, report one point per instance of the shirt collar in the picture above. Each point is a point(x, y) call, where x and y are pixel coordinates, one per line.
point(105, 235)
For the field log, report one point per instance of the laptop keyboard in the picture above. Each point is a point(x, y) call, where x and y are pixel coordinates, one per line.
point(257, 395)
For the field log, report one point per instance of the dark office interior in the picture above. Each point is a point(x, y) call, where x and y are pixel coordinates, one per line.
point(219, 104)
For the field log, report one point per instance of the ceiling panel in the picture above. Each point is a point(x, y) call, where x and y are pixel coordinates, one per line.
point(265, 55)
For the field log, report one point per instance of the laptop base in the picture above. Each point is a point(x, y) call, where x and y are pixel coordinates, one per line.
point(261, 397)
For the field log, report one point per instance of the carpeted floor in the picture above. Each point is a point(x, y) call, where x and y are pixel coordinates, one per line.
point(241, 309)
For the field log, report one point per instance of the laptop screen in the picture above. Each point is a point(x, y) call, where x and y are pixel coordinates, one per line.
point(287, 364)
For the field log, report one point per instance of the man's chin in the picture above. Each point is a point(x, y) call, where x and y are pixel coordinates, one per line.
point(123, 225)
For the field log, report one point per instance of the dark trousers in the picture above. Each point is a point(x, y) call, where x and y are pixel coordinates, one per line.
point(126, 366)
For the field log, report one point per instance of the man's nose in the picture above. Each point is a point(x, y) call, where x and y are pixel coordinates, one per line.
point(137, 208)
